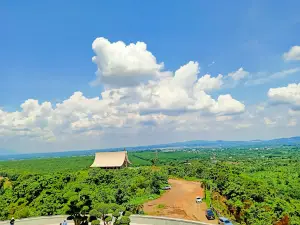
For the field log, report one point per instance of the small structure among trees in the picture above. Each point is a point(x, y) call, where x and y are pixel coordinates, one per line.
point(111, 160)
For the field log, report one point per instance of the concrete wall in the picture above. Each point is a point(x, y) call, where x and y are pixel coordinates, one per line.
point(154, 220)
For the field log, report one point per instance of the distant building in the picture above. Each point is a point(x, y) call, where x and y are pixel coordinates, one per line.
point(111, 160)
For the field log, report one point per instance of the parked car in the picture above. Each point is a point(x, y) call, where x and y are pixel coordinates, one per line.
point(167, 187)
point(210, 214)
point(198, 199)
point(224, 221)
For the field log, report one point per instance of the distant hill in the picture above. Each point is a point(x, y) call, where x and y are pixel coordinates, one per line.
point(6, 151)
point(221, 143)
point(292, 141)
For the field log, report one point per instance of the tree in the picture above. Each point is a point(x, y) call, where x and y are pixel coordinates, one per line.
point(96, 222)
point(127, 213)
point(108, 219)
point(94, 215)
point(116, 214)
point(125, 220)
point(77, 209)
point(103, 209)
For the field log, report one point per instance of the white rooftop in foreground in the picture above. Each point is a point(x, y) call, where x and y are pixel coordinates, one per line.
point(136, 220)
point(50, 222)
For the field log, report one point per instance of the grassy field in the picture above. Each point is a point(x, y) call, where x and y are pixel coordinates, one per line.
point(45, 165)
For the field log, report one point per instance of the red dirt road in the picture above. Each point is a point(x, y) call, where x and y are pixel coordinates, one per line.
point(179, 202)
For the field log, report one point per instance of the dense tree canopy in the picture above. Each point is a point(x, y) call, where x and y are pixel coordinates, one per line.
point(77, 192)
point(252, 186)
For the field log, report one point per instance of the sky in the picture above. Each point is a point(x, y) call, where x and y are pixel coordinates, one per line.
point(87, 75)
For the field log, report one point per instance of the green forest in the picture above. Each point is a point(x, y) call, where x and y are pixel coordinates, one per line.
point(258, 186)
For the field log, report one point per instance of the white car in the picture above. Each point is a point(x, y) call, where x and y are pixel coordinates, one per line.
point(224, 221)
point(198, 199)
point(167, 187)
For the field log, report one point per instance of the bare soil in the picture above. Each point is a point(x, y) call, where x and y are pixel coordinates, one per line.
point(180, 202)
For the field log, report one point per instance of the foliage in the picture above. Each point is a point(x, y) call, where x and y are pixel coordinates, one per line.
point(108, 219)
point(96, 222)
point(75, 193)
point(127, 213)
point(116, 214)
point(250, 185)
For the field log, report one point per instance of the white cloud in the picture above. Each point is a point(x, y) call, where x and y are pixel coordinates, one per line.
point(292, 112)
point(223, 118)
point(186, 75)
point(269, 122)
point(178, 94)
point(122, 65)
point(292, 122)
point(239, 74)
point(284, 73)
point(293, 53)
point(138, 98)
point(260, 107)
point(286, 95)
point(208, 83)
point(187, 94)
point(243, 125)
point(226, 105)
point(155, 103)
point(262, 78)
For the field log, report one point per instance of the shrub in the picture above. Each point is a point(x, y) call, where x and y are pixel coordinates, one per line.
point(96, 222)
point(127, 213)
point(116, 214)
point(22, 213)
point(125, 220)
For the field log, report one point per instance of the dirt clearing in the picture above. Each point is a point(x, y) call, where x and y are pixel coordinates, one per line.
point(179, 202)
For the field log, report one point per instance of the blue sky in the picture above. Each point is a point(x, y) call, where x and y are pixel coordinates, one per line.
point(46, 54)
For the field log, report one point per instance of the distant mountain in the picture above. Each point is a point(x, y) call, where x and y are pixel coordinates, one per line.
point(220, 143)
point(6, 152)
point(292, 141)
point(286, 141)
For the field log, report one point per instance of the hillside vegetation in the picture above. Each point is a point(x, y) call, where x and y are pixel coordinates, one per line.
point(251, 186)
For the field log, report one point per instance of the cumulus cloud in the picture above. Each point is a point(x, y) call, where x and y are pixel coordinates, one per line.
point(293, 53)
point(137, 93)
point(155, 103)
point(124, 65)
point(239, 74)
point(286, 95)
point(184, 93)
point(208, 83)
point(186, 75)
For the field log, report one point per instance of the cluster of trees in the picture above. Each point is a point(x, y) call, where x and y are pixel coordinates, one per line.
point(60, 193)
point(253, 187)
point(105, 212)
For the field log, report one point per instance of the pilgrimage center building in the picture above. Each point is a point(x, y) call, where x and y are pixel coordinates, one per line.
point(111, 160)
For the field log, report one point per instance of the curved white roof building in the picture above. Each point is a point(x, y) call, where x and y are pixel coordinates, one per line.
point(111, 160)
